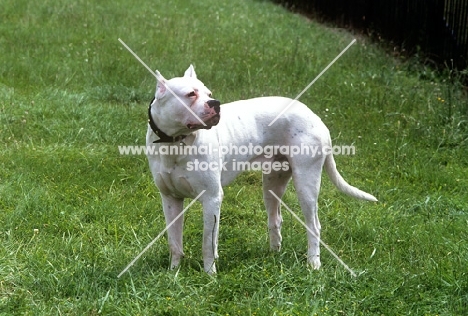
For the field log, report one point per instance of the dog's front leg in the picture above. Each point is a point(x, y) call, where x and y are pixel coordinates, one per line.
point(211, 216)
point(172, 207)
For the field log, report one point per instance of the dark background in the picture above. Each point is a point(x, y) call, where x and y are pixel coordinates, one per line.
point(436, 30)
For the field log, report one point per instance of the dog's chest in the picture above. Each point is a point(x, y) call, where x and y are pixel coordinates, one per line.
point(177, 186)
point(172, 180)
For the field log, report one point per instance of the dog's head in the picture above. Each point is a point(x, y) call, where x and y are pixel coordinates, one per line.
point(184, 104)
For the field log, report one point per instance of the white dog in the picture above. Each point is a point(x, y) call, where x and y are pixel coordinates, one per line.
point(238, 137)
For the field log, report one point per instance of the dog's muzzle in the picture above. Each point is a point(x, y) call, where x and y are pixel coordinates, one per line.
point(210, 117)
point(214, 104)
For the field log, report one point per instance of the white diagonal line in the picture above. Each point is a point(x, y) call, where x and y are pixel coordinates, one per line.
point(138, 58)
point(310, 231)
point(160, 234)
point(156, 76)
point(312, 82)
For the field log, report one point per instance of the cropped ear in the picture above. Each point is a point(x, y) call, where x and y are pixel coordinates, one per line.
point(160, 86)
point(190, 72)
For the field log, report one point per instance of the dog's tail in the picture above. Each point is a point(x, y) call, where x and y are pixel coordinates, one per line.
point(341, 184)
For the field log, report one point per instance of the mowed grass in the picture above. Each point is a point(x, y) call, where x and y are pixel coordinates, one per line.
point(74, 212)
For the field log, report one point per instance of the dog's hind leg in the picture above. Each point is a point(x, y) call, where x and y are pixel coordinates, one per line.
point(276, 181)
point(172, 207)
point(307, 184)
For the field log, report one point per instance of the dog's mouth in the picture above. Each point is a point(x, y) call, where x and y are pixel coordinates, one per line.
point(212, 121)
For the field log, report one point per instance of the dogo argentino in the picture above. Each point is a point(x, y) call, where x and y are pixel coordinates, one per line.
point(243, 123)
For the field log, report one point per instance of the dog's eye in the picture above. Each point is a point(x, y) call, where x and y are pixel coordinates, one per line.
point(192, 94)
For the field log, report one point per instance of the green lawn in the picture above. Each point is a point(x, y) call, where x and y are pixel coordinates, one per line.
point(74, 212)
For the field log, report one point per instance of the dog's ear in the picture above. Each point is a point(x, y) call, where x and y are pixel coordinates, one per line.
point(160, 86)
point(190, 72)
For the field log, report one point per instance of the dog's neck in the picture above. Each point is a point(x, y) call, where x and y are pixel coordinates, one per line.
point(163, 137)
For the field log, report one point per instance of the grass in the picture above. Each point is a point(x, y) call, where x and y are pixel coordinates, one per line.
point(74, 212)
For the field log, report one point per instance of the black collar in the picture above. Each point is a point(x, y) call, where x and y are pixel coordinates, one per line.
point(163, 137)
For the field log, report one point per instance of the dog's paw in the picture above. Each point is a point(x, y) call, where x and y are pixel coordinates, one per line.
point(175, 261)
point(275, 239)
point(275, 247)
point(211, 269)
point(314, 262)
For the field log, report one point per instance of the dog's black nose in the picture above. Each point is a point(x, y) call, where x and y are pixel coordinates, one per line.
point(214, 104)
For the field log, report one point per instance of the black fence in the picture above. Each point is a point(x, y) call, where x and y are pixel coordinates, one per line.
point(436, 28)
